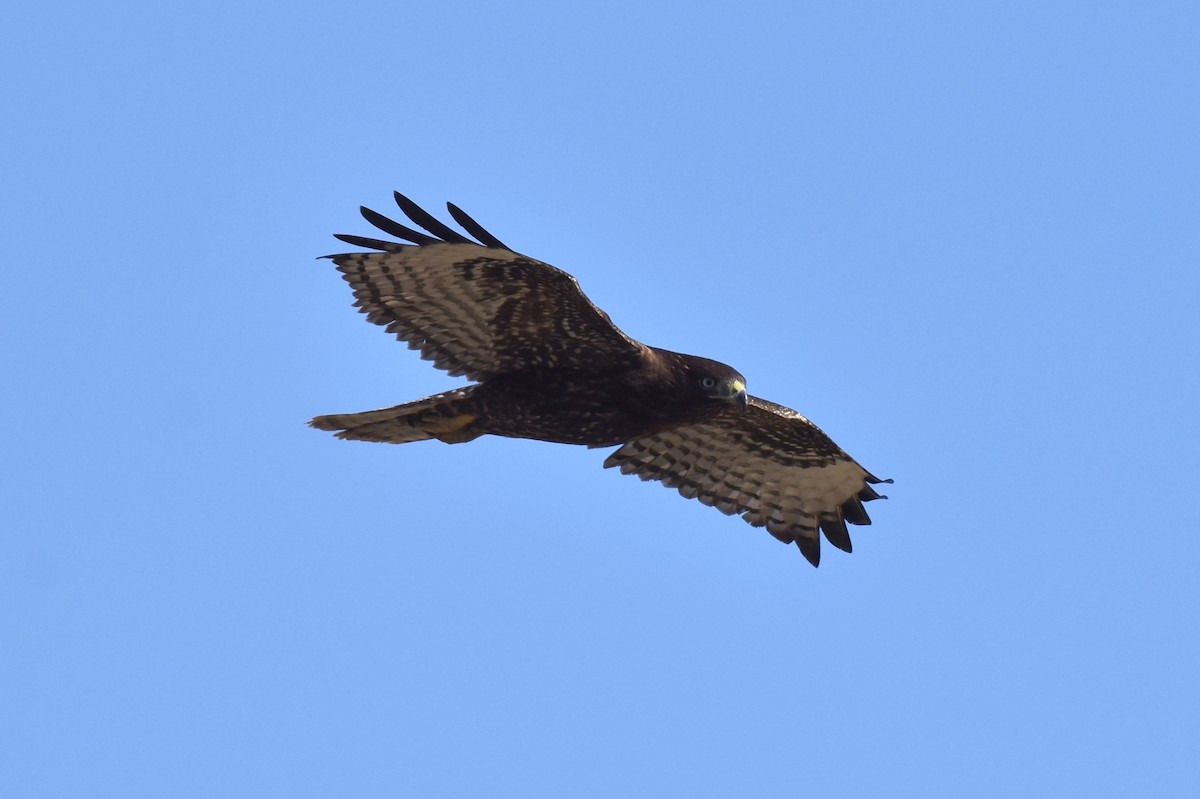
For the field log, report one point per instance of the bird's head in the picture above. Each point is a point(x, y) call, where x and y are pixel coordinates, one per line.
point(716, 381)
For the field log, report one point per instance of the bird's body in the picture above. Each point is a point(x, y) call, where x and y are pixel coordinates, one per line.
point(596, 408)
point(551, 366)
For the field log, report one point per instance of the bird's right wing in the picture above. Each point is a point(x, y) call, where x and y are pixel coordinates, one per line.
point(477, 309)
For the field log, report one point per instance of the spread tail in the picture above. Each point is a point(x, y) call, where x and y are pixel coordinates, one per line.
point(447, 417)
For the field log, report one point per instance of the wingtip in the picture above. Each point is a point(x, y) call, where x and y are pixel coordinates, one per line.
point(834, 528)
point(474, 228)
point(810, 548)
point(428, 221)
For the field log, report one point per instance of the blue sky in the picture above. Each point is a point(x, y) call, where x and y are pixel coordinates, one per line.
point(962, 238)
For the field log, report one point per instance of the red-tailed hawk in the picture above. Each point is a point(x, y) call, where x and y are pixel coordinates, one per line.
point(549, 365)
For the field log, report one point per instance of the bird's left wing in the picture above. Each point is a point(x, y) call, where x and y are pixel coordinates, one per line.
point(766, 463)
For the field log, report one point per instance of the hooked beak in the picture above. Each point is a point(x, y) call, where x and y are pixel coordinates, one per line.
point(738, 397)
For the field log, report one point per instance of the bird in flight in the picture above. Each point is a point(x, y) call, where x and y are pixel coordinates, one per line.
point(547, 364)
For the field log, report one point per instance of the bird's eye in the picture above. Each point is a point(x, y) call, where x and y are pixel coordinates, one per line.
point(708, 382)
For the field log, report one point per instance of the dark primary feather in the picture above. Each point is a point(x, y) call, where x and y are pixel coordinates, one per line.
point(834, 528)
point(363, 241)
point(395, 228)
point(426, 220)
point(474, 228)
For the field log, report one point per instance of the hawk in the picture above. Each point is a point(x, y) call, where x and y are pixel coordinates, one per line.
point(547, 364)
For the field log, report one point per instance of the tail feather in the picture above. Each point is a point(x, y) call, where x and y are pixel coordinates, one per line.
point(447, 417)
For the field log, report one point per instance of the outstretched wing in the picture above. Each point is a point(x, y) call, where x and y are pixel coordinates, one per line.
point(767, 463)
point(477, 309)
